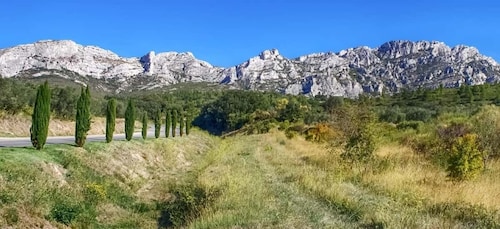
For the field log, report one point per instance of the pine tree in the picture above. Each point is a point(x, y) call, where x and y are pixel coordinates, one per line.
point(110, 119)
point(82, 117)
point(181, 124)
point(41, 117)
point(157, 123)
point(188, 124)
point(145, 125)
point(129, 120)
point(174, 122)
point(168, 122)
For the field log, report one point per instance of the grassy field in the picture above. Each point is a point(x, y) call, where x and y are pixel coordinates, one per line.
point(245, 181)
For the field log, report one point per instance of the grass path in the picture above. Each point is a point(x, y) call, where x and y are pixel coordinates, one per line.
point(254, 195)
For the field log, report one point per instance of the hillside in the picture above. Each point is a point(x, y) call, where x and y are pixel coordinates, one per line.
point(255, 181)
point(389, 68)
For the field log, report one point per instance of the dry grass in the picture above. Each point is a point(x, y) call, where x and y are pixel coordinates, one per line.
point(19, 126)
point(415, 174)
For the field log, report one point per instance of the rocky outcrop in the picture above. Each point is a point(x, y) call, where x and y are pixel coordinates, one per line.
point(388, 68)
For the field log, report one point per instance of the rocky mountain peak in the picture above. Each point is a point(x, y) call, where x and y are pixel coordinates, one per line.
point(387, 68)
point(270, 54)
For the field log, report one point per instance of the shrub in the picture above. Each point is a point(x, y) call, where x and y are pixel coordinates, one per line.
point(486, 124)
point(94, 193)
point(409, 125)
point(360, 147)
point(465, 161)
point(187, 204)
point(65, 212)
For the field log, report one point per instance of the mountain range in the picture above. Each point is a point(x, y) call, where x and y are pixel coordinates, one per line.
point(393, 66)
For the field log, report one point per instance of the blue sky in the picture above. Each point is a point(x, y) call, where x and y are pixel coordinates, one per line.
point(228, 32)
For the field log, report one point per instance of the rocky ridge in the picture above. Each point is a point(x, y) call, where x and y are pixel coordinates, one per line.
point(388, 68)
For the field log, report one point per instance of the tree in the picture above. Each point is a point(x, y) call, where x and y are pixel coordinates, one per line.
point(157, 120)
point(174, 122)
point(465, 161)
point(129, 120)
point(82, 117)
point(168, 122)
point(181, 124)
point(110, 119)
point(145, 125)
point(188, 124)
point(41, 117)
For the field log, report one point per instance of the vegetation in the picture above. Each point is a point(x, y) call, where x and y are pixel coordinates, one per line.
point(168, 122)
point(41, 116)
point(182, 121)
point(188, 124)
point(465, 161)
point(157, 120)
point(174, 122)
point(144, 126)
point(417, 158)
point(82, 117)
point(129, 120)
point(110, 119)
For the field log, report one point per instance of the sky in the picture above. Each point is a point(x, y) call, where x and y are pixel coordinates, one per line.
point(228, 32)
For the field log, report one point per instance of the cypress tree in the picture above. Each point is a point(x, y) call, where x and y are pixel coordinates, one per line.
point(168, 122)
point(110, 119)
point(174, 122)
point(41, 117)
point(181, 124)
point(129, 120)
point(145, 125)
point(82, 117)
point(157, 123)
point(188, 124)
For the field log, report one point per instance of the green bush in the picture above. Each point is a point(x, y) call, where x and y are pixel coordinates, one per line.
point(65, 212)
point(409, 125)
point(188, 202)
point(465, 161)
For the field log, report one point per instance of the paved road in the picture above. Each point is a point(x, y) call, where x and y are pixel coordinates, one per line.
point(26, 141)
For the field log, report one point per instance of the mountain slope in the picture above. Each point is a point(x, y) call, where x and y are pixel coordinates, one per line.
point(388, 68)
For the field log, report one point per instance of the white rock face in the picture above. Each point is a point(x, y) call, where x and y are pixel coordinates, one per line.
point(388, 68)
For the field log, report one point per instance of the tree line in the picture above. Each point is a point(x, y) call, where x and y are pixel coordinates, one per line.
point(41, 118)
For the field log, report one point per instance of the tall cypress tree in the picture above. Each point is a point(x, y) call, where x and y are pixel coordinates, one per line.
point(181, 124)
point(82, 117)
point(110, 119)
point(188, 124)
point(174, 122)
point(168, 122)
point(41, 117)
point(145, 125)
point(157, 123)
point(129, 120)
